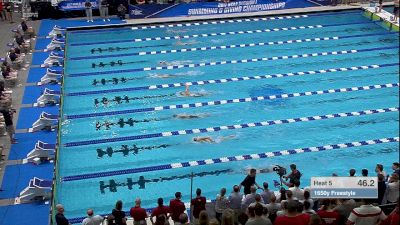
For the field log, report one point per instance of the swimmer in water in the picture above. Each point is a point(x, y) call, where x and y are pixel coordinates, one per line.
point(208, 139)
point(190, 116)
point(187, 92)
point(163, 63)
point(162, 75)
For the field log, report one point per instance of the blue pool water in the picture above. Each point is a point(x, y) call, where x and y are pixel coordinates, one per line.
point(98, 92)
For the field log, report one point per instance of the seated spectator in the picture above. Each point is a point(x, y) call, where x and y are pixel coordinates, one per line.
point(327, 213)
point(259, 219)
point(138, 213)
point(283, 209)
point(21, 42)
point(27, 30)
point(366, 214)
point(119, 214)
point(307, 208)
point(243, 218)
point(203, 218)
point(266, 194)
point(292, 217)
point(393, 218)
point(91, 219)
point(221, 203)
point(315, 220)
point(344, 208)
point(392, 189)
point(298, 193)
point(161, 213)
point(176, 207)
point(228, 217)
point(273, 208)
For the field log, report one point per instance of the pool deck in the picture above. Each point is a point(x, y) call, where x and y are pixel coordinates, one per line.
point(18, 91)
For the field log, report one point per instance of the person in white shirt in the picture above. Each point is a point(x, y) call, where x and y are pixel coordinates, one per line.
point(366, 214)
point(92, 220)
point(221, 203)
point(298, 193)
point(392, 189)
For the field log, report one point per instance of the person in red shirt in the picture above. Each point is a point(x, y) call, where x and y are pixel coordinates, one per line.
point(176, 207)
point(198, 204)
point(138, 214)
point(291, 216)
point(393, 218)
point(161, 213)
point(327, 213)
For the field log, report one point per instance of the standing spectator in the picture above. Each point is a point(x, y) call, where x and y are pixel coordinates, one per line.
point(258, 200)
point(273, 208)
point(243, 218)
point(121, 11)
point(380, 5)
point(259, 219)
point(291, 216)
point(119, 214)
point(249, 181)
point(308, 209)
point(364, 172)
point(396, 168)
point(396, 10)
point(228, 217)
point(392, 189)
point(308, 199)
point(103, 7)
point(138, 214)
point(60, 218)
point(203, 218)
point(352, 172)
point(298, 193)
point(294, 175)
point(250, 198)
point(176, 207)
point(393, 218)
point(221, 203)
point(327, 213)
point(235, 201)
point(366, 214)
point(160, 213)
point(381, 188)
point(89, 11)
point(8, 8)
point(2, 11)
point(198, 204)
point(10, 127)
point(92, 220)
point(266, 194)
point(379, 170)
point(282, 194)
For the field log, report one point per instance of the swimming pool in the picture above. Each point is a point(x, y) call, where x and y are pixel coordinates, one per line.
point(265, 84)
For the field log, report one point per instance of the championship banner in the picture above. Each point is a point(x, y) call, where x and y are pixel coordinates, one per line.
point(212, 8)
point(70, 5)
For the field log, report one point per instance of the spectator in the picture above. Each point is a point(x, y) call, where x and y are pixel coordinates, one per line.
point(381, 188)
point(344, 208)
point(379, 170)
point(258, 200)
point(396, 168)
point(10, 127)
point(315, 220)
point(235, 201)
point(308, 199)
point(282, 195)
point(327, 213)
point(266, 194)
point(176, 207)
point(308, 209)
point(300, 209)
point(298, 193)
point(221, 203)
point(160, 213)
point(251, 213)
point(250, 198)
point(243, 218)
point(119, 214)
point(27, 30)
point(396, 11)
point(213, 222)
point(366, 214)
point(228, 217)
point(352, 173)
point(21, 42)
point(138, 213)
point(393, 218)
point(92, 220)
point(203, 218)
point(2, 13)
point(89, 11)
point(380, 5)
point(392, 189)
point(259, 219)
point(273, 208)
point(103, 8)
point(60, 218)
point(14, 57)
point(198, 204)
point(249, 181)
point(283, 210)
point(364, 172)
point(121, 11)
point(291, 216)
point(294, 175)
point(8, 8)
point(183, 219)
